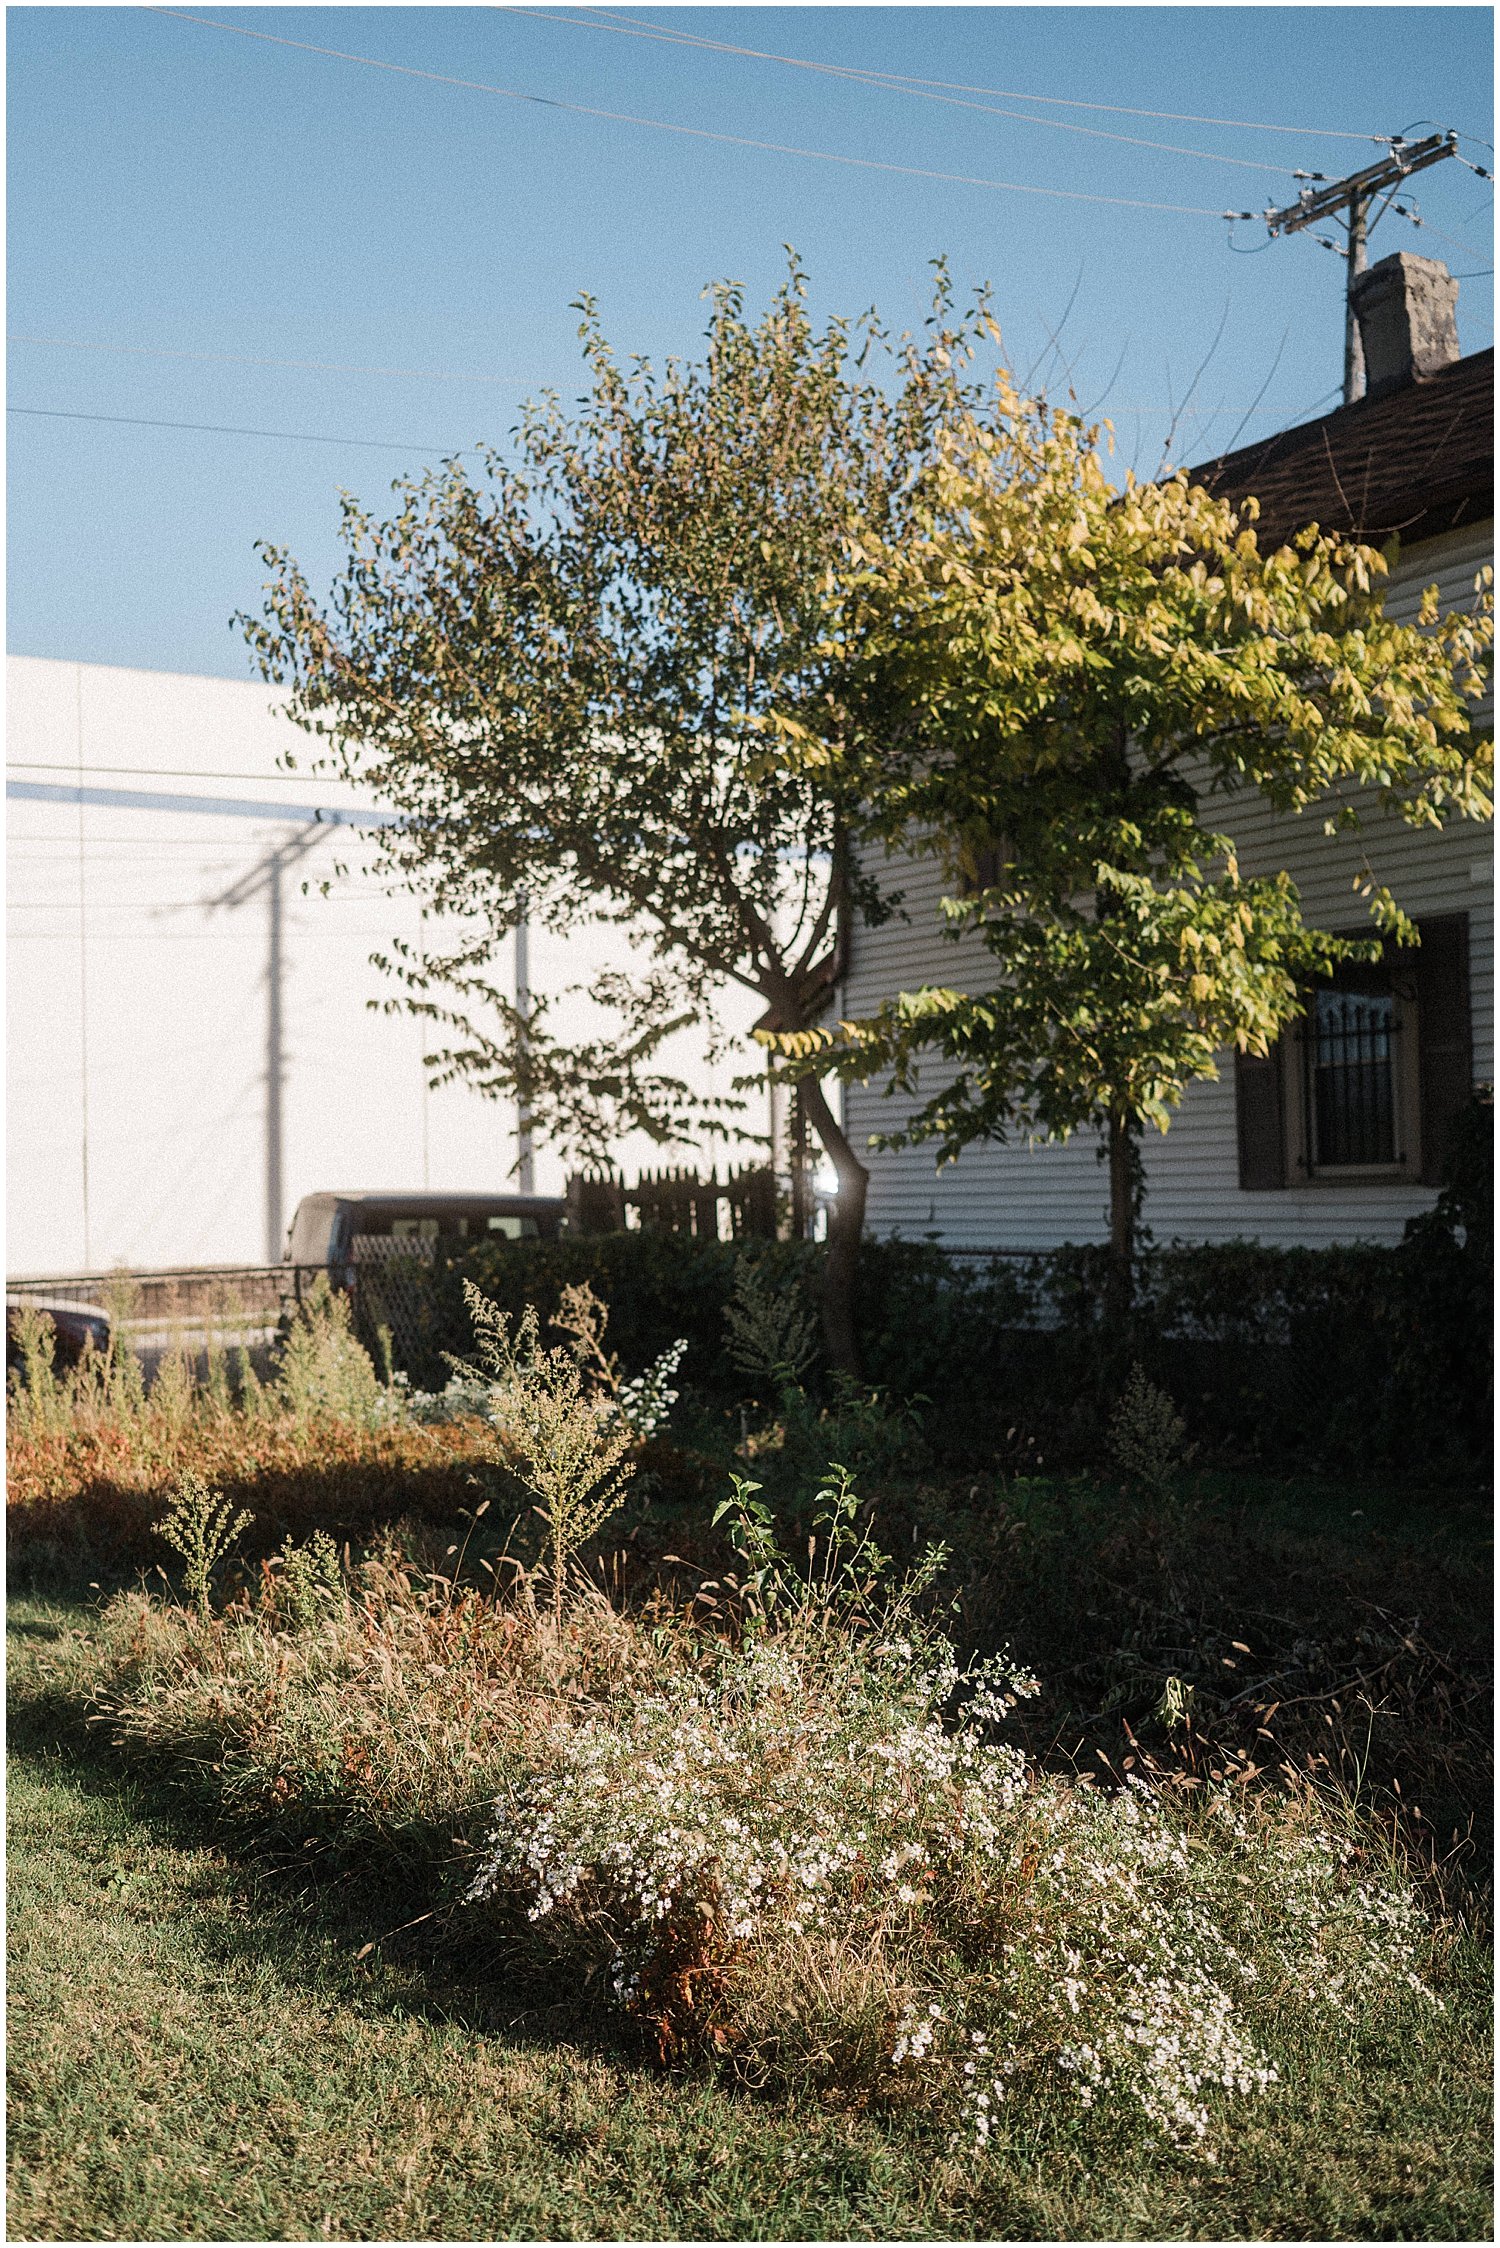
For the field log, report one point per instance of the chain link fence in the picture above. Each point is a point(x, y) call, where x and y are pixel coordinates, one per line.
point(151, 1313)
point(389, 1281)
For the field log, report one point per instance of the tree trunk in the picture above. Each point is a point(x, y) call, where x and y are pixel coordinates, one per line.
point(846, 1225)
point(1121, 1291)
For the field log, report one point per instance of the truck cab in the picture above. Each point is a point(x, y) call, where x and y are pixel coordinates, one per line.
point(325, 1227)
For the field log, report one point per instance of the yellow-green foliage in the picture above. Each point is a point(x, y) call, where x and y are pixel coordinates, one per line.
point(1086, 687)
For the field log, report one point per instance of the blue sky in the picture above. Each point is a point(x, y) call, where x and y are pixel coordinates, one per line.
point(177, 189)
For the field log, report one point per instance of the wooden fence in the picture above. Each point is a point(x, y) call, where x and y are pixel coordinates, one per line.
point(743, 1206)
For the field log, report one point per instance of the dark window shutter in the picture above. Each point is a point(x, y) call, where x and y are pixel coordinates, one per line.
point(1259, 1120)
point(1444, 1048)
point(982, 865)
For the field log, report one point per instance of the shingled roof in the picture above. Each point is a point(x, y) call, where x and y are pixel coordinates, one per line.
point(1417, 462)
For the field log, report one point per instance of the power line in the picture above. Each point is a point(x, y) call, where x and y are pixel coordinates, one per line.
point(147, 800)
point(1001, 93)
point(694, 132)
point(1427, 227)
point(116, 844)
point(173, 936)
point(120, 850)
point(453, 452)
point(353, 895)
point(240, 359)
point(896, 85)
point(154, 772)
point(225, 429)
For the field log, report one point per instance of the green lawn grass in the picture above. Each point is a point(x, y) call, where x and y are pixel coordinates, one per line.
point(198, 2051)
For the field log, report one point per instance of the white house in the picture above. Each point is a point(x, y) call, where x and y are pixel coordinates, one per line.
point(1339, 1136)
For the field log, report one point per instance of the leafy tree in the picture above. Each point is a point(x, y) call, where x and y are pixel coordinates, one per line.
point(566, 676)
point(1067, 690)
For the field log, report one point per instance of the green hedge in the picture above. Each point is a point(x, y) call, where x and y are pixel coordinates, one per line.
point(1348, 1358)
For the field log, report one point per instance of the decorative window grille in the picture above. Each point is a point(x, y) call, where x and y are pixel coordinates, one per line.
point(1371, 1084)
point(1351, 1079)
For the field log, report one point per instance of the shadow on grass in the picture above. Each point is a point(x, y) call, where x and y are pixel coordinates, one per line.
point(106, 1530)
point(447, 1968)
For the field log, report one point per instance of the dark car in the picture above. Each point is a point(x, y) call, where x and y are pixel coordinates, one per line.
point(78, 1327)
point(326, 1226)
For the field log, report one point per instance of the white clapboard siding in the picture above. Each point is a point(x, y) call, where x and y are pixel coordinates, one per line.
point(1020, 1197)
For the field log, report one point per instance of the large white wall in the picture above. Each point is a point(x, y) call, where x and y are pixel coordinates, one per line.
point(124, 989)
point(1013, 1196)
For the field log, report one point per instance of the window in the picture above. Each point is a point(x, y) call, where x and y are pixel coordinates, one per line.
point(1366, 1086)
point(1351, 1069)
point(1357, 1113)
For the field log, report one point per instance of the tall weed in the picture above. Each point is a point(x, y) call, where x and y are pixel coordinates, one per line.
point(102, 1421)
point(201, 1526)
point(324, 1372)
point(493, 1390)
point(571, 1455)
point(1148, 1437)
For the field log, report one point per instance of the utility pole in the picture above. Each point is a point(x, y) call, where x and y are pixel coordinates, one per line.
point(275, 1061)
point(264, 880)
point(83, 979)
point(1348, 201)
point(525, 1146)
point(1354, 349)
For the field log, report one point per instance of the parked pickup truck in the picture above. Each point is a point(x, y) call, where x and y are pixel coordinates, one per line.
point(325, 1226)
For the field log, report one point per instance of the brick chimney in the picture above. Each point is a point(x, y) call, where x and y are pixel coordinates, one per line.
point(1406, 308)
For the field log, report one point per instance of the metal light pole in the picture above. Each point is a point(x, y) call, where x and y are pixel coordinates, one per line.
point(264, 879)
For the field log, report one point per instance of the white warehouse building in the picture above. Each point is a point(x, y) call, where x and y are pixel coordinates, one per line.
point(144, 810)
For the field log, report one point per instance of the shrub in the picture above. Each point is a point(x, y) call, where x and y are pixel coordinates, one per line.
point(793, 1861)
point(1442, 1347)
point(1357, 1356)
point(802, 1849)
